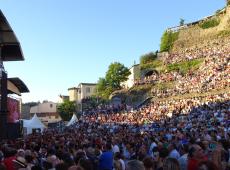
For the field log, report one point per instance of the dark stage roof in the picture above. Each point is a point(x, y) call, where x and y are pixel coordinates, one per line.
point(19, 84)
point(10, 46)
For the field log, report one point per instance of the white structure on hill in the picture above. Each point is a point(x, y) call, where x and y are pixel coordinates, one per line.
point(135, 74)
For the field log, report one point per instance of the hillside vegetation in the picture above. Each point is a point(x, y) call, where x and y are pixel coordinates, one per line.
point(208, 29)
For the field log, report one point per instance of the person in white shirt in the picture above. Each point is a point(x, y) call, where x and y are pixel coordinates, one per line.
point(173, 153)
point(152, 146)
point(116, 148)
point(183, 160)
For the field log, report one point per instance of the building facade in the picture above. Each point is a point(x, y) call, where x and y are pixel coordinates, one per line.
point(82, 91)
point(135, 74)
point(46, 111)
point(62, 98)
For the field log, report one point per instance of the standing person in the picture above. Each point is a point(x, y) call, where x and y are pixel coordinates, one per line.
point(106, 158)
point(171, 164)
point(152, 146)
point(135, 165)
point(118, 156)
point(183, 160)
point(10, 155)
point(115, 146)
point(207, 165)
point(195, 156)
point(148, 163)
point(173, 153)
point(116, 162)
point(163, 154)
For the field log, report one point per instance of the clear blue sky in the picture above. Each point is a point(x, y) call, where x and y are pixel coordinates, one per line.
point(66, 42)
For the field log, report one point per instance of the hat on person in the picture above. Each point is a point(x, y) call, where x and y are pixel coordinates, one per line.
point(21, 150)
point(20, 161)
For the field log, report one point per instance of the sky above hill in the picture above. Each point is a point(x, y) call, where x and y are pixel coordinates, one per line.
point(67, 42)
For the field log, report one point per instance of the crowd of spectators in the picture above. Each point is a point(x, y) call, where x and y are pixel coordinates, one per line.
point(175, 133)
point(206, 49)
point(213, 73)
point(186, 133)
point(159, 78)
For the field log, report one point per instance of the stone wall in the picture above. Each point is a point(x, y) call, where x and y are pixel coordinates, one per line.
point(195, 35)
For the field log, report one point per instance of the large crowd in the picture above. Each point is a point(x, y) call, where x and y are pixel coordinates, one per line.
point(184, 133)
point(205, 49)
point(171, 132)
point(213, 74)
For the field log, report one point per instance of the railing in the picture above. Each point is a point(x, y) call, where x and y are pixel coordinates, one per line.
point(181, 27)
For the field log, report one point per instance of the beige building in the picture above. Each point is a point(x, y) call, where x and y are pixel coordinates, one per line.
point(62, 98)
point(73, 93)
point(135, 74)
point(46, 111)
point(83, 90)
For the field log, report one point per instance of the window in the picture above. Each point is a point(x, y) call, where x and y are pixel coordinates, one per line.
point(87, 90)
point(51, 105)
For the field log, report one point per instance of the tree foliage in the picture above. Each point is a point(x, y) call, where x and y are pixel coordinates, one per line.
point(210, 23)
point(116, 74)
point(167, 40)
point(103, 88)
point(101, 84)
point(66, 110)
point(181, 21)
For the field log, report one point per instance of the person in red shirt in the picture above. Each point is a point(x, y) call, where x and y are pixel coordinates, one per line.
point(8, 162)
point(9, 156)
point(195, 156)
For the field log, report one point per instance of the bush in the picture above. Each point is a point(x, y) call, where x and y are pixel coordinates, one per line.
point(210, 23)
point(218, 12)
point(147, 58)
point(185, 66)
point(152, 65)
point(224, 33)
point(167, 40)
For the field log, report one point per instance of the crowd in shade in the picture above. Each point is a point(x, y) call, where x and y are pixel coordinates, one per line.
point(171, 132)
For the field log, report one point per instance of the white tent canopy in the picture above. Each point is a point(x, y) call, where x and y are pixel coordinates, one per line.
point(34, 123)
point(72, 120)
point(26, 122)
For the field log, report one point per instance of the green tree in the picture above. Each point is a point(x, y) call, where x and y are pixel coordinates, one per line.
point(103, 89)
point(116, 74)
point(101, 85)
point(181, 21)
point(66, 109)
point(164, 42)
point(167, 40)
